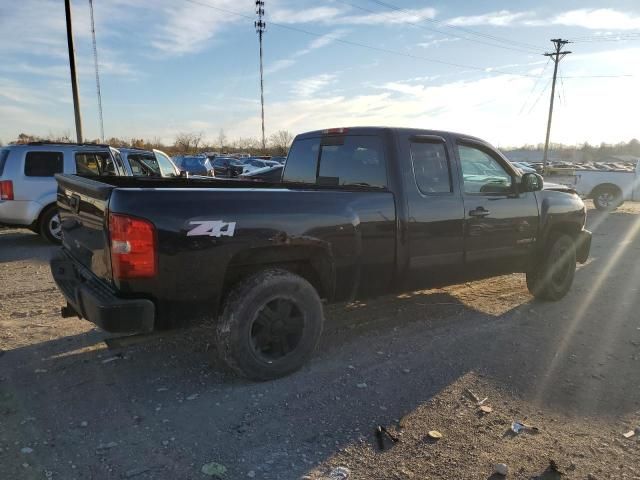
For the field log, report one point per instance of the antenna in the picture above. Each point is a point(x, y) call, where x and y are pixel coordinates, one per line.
point(261, 26)
point(95, 61)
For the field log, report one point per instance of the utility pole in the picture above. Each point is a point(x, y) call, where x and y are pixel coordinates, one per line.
point(556, 56)
point(72, 67)
point(261, 26)
point(95, 62)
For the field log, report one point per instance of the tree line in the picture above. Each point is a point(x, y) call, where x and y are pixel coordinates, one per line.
point(184, 143)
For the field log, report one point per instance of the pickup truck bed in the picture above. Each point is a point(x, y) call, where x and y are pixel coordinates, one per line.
point(359, 213)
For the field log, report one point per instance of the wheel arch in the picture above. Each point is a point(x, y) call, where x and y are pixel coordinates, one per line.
point(604, 186)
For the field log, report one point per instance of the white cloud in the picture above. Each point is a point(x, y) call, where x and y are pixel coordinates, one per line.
point(437, 41)
point(337, 16)
point(312, 85)
point(319, 42)
point(308, 15)
point(501, 18)
point(189, 26)
point(598, 19)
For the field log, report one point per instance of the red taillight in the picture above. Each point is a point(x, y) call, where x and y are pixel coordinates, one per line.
point(6, 190)
point(133, 247)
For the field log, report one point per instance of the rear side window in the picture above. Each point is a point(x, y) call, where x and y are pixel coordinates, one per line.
point(43, 164)
point(143, 165)
point(95, 163)
point(431, 167)
point(302, 161)
point(352, 160)
point(4, 153)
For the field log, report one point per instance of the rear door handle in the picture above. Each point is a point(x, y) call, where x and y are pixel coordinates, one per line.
point(479, 212)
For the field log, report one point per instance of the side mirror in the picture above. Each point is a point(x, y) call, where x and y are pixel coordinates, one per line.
point(531, 182)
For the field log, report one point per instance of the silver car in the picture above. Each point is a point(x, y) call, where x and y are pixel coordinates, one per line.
point(28, 187)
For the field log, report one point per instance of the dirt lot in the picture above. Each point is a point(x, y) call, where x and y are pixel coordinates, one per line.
point(71, 408)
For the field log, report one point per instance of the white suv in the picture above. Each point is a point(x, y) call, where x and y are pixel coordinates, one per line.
point(28, 187)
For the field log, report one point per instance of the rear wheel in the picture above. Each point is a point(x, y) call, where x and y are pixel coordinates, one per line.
point(552, 278)
point(607, 198)
point(50, 226)
point(270, 325)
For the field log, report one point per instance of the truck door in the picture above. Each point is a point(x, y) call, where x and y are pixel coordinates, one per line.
point(501, 224)
point(435, 210)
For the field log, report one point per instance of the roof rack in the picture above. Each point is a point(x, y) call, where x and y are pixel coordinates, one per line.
point(46, 142)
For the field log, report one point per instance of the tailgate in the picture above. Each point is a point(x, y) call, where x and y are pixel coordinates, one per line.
point(83, 203)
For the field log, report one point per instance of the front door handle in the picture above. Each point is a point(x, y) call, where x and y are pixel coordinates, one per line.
point(479, 212)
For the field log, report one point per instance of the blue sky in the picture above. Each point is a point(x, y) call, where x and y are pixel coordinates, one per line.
point(170, 66)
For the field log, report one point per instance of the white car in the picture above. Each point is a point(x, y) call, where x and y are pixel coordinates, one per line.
point(252, 164)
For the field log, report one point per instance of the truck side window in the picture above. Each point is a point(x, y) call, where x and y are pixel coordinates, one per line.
point(481, 173)
point(302, 161)
point(353, 160)
point(43, 164)
point(431, 167)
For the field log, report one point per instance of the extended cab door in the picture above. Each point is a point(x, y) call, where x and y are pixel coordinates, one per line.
point(435, 210)
point(501, 224)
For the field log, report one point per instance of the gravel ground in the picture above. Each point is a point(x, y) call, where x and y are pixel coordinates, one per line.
point(71, 408)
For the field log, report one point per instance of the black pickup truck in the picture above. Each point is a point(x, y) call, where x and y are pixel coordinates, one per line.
point(359, 212)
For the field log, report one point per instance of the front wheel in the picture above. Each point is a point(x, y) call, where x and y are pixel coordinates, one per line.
point(270, 325)
point(50, 226)
point(552, 278)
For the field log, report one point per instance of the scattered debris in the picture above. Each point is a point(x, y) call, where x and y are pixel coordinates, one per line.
point(482, 401)
point(472, 395)
point(339, 473)
point(84, 424)
point(106, 446)
point(629, 434)
point(135, 472)
point(501, 469)
point(486, 409)
point(434, 434)
point(26, 450)
point(214, 469)
point(193, 397)
point(251, 474)
point(381, 432)
point(40, 370)
point(361, 385)
point(113, 359)
point(406, 370)
point(517, 427)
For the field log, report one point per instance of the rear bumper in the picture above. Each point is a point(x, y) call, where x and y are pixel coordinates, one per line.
point(583, 246)
point(19, 212)
point(92, 299)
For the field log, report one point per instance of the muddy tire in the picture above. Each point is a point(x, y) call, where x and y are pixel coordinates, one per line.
point(553, 277)
point(607, 199)
point(49, 225)
point(270, 325)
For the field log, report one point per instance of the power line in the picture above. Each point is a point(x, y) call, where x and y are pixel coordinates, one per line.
point(534, 86)
point(467, 30)
point(414, 24)
point(95, 61)
point(487, 70)
point(539, 97)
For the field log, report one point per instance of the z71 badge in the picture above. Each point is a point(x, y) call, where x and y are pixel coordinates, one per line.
point(212, 228)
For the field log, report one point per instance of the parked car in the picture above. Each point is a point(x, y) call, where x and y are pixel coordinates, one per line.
point(28, 187)
point(227, 167)
point(361, 212)
point(608, 188)
point(524, 167)
point(280, 160)
point(138, 162)
point(265, 174)
point(251, 164)
point(195, 165)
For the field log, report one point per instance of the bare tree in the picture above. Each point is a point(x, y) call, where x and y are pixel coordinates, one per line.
point(187, 142)
point(246, 144)
point(222, 140)
point(280, 141)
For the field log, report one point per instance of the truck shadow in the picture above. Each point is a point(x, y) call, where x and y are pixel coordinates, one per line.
point(377, 361)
